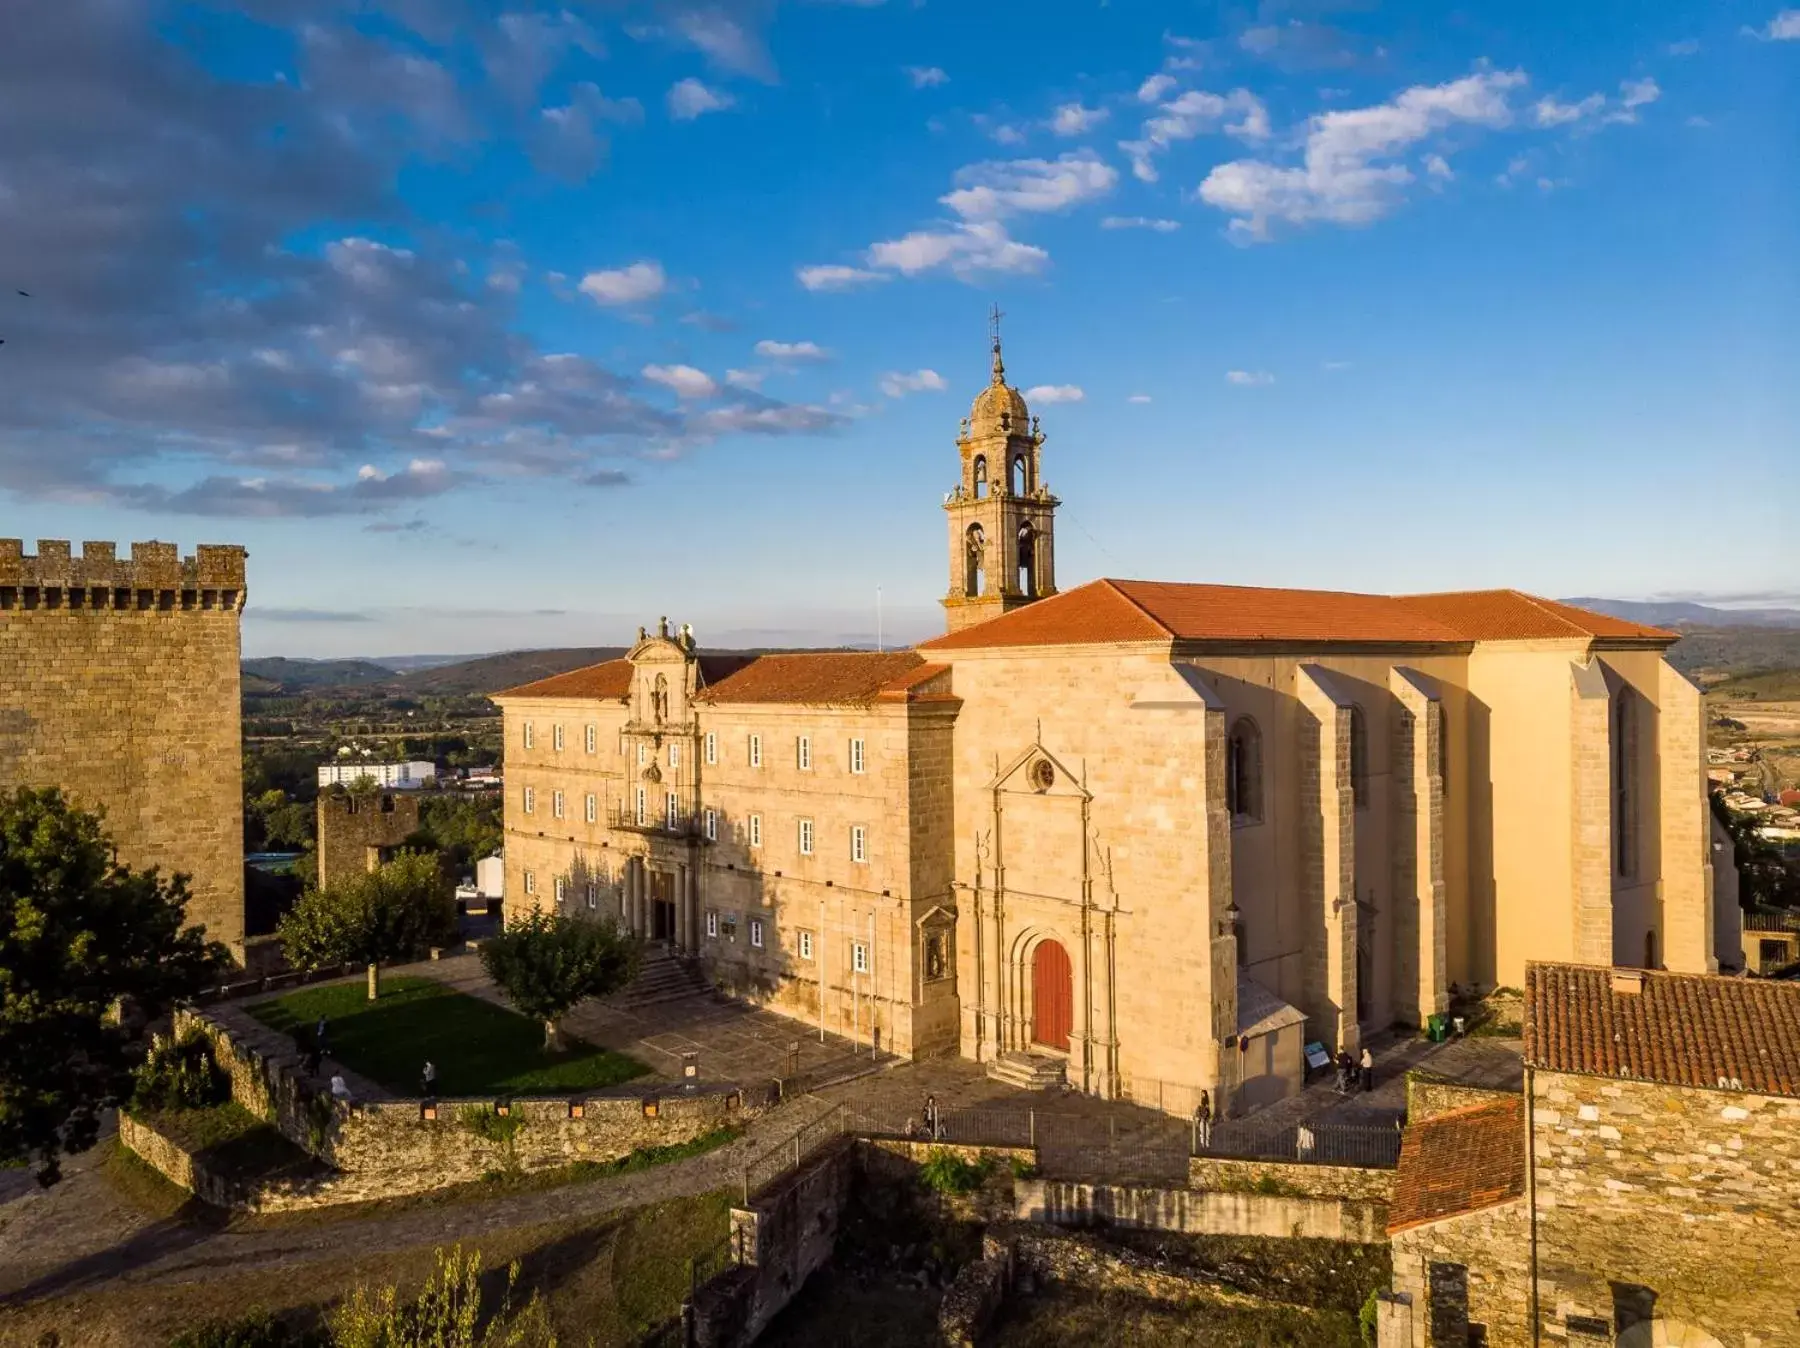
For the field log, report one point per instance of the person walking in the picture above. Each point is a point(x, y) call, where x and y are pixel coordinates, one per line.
point(1346, 1071)
point(1304, 1143)
point(1203, 1117)
point(1368, 1070)
point(319, 1037)
point(428, 1080)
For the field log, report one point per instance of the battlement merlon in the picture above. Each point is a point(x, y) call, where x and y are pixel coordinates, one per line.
point(214, 575)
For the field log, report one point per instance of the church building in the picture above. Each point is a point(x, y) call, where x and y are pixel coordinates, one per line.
point(1150, 836)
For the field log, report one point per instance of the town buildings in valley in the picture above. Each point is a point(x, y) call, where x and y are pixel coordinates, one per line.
point(411, 776)
point(119, 684)
point(1641, 1190)
point(1131, 831)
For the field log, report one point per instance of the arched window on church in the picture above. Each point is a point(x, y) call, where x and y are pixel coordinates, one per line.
point(1027, 559)
point(981, 481)
point(1243, 772)
point(1016, 479)
point(1359, 758)
point(974, 549)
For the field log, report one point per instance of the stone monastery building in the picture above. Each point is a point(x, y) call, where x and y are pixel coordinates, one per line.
point(1158, 833)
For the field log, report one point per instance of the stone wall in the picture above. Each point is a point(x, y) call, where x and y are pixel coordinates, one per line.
point(262, 1193)
point(974, 1297)
point(1689, 1194)
point(1212, 1212)
point(1428, 1096)
point(350, 825)
point(1289, 1177)
point(1488, 1253)
point(119, 683)
point(379, 1149)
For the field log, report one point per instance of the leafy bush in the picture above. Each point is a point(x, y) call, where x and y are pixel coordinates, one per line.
point(257, 1329)
point(1366, 1319)
point(1023, 1169)
point(947, 1173)
point(447, 1313)
point(181, 1074)
point(491, 1126)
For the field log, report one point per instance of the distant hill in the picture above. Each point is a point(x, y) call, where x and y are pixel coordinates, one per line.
point(492, 673)
point(1713, 653)
point(278, 672)
point(1676, 613)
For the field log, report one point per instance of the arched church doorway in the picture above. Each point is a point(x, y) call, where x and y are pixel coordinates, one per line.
point(1052, 996)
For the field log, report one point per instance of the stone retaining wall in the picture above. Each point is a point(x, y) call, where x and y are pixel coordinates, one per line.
point(176, 1164)
point(1291, 1178)
point(1427, 1096)
point(1213, 1213)
point(973, 1299)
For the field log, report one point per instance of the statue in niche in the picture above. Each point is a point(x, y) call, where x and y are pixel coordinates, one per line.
point(659, 699)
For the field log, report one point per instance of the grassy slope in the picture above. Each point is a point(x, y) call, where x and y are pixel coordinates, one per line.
point(478, 1048)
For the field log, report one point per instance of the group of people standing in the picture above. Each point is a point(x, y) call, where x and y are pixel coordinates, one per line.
point(1355, 1074)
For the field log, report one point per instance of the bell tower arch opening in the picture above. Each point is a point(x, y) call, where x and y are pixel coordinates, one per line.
point(1000, 500)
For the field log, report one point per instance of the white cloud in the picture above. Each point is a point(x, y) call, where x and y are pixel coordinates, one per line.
point(635, 284)
point(1140, 222)
point(746, 379)
point(682, 380)
point(690, 98)
point(925, 77)
point(830, 277)
point(968, 250)
point(1155, 88)
point(994, 190)
point(1341, 179)
point(1249, 378)
point(1515, 168)
point(1072, 119)
point(1686, 47)
point(1138, 398)
point(792, 353)
point(1005, 133)
point(1439, 167)
point(1188, 116)
point(725, 42)
point(1054, 393)
point(1635, 94)
point(1784, 27)
point(897, 385)
point(1551, 111)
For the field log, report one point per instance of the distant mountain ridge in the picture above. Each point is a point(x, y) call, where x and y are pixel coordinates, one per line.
point(1682, 613)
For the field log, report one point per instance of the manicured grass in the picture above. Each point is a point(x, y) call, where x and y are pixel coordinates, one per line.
point(478, 1048)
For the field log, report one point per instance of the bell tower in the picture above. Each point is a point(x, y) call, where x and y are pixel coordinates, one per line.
point(1002, 516)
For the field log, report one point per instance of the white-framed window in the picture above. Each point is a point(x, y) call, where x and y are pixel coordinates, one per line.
point(859, 843)
point(593, 895)
point(803, 753)
point(556, 804)
point(674, 755)
point(859, 957)
point(527, 729)
point(756, 830)
point(672, 812)
point(643, 754)
point(806, 945)
point(806, 837)
point(712, 924)
point(756, 932)
point(556, 738)
point(561, 888)
point(712, 826)
point(712, 748)
point(858, 756)
point(593, 808)
point(642, 817)
point(530, 800)
point(756, 751)
point(593, 739)
point(531, 882)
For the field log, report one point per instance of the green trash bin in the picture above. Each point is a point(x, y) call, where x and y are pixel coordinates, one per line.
point(1437, 1027)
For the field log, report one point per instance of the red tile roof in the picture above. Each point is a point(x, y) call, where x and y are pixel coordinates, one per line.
point(1460, 1162)
point(608, 680)
point(819, 677)
point(1697, 1030)
point(1104, 612)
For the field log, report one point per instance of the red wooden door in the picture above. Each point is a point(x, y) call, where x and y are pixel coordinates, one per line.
point(1052, 996)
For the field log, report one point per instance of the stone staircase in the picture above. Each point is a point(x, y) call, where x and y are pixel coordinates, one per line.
point(1028, 1071)
point(663, 977)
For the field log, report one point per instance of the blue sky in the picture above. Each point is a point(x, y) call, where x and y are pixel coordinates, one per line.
point(491, 325)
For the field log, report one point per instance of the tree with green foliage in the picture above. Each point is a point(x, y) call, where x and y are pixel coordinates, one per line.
point(391, 913)
point(82, 938)
point(548, 962)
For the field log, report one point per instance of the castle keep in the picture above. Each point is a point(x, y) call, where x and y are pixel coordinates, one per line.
point(1133, 833)
point(119, 683)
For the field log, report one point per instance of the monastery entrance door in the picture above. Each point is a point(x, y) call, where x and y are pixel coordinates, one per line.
point(1052, 996)
point(662, 906)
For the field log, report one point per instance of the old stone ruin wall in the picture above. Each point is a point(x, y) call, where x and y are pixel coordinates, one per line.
point(356, 831)
point(119, 684)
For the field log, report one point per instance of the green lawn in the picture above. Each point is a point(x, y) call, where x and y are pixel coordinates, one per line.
point(478, 1048)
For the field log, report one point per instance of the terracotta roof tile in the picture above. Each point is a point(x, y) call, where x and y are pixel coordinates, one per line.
point(1680, 1029)
point(608, 680)
point(1104, 612)
point(819, 677)
point(1460, 1162)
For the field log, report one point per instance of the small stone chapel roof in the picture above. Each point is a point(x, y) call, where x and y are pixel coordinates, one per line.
point(1460, 1162)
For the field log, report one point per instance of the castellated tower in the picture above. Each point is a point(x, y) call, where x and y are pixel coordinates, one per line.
point(119, 683)
point(1002, 516)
